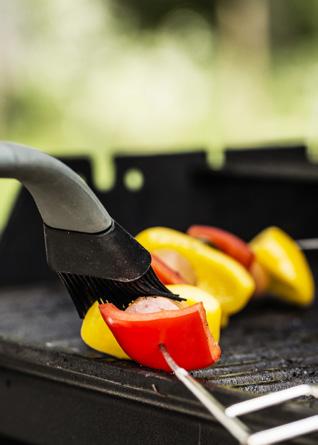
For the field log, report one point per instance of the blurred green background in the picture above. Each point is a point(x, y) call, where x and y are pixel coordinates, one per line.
point(105, 76)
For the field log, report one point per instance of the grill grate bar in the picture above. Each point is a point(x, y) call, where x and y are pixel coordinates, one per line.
point(248, 406)
point(228, 417)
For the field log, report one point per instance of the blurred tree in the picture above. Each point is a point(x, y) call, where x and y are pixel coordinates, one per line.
point(151, 14)
point(293, 22)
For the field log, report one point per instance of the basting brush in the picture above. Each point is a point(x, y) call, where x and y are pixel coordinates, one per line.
point(95, 257)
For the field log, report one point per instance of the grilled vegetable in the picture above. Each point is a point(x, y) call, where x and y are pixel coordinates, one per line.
point(216, 273)
point(211, 305)
point(236, 248)
point(228, 243)
point(184, 332)
point(261, 278)
point(177, 262)
point(290, 277)
point(96, 334)
point(165, 273)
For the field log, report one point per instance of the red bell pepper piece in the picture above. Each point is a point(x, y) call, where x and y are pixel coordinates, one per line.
point(165, 274)
point(230, 244)
point(184, 332)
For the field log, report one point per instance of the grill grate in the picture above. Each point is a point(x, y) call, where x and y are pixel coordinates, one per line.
point(267, 347)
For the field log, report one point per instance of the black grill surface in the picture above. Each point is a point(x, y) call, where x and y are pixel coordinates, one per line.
point(267, 347)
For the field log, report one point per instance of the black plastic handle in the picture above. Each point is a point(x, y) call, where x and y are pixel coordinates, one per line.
point(63, 198)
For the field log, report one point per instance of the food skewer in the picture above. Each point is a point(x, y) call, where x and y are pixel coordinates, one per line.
point(228, 416)
point(95, 257)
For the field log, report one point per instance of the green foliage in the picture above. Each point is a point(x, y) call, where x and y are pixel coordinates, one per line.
point(79, 76)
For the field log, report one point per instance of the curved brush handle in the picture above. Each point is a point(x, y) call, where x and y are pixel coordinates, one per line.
point(63, 198)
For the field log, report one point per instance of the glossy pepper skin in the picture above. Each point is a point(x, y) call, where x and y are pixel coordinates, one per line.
point(184, 332)
point(230, 244)
point(97, 335)
point(216, 273)
point(193, 295)
point(290, 277)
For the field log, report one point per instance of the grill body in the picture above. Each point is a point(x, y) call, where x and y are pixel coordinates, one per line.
point(55, 390)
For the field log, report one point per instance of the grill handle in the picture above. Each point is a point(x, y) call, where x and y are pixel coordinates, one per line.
point(63, 198)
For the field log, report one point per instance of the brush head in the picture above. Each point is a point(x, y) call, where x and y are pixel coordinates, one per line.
point(85, 290)
point(109, 266)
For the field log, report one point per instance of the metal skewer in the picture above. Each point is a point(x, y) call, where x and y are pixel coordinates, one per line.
point(228, 416)
point(308, 244)
point(233, 425)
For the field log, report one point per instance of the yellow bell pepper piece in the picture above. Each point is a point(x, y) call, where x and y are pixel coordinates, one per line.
point(289, 272)
point(216, 273)
point(211, 305)
point(96, 334)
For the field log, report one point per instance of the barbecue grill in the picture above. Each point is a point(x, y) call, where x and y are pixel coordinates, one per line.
point(53, 389)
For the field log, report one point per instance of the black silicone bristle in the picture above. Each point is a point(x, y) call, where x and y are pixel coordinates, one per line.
point(85, 290)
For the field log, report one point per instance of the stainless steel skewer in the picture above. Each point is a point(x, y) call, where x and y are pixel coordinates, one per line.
point(233, 425)
point(308, 244)
point(228, 416)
